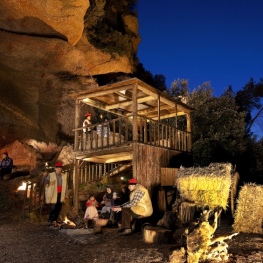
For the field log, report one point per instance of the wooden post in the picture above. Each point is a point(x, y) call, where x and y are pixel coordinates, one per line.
point(135, 131)
point(158, 130)
point(76, 186)
point(134, 112)
point(77, 118)
point(189, 134)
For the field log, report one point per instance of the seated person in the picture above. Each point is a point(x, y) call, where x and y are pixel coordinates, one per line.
point(125, 194)
point(114, 217)
point(139, 205)
point(6, 165)
point(91, 210)
point(119, 200)
point(107, 202)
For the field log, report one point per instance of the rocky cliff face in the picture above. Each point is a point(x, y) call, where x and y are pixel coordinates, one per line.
point(52, 48)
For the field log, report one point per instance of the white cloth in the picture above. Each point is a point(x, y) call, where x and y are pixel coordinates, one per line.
point(91, 212)
point(86, 122)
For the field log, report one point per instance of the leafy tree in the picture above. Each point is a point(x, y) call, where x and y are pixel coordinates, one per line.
point(180, 88)
point(218, 128)
point(217, 125)
point(249, 99)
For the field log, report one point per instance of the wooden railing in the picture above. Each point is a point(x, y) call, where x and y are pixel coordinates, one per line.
point(118, 132)
point(96, 171)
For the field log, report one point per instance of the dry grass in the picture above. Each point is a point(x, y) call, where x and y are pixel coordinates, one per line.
point(249, 212)
point(205, 186)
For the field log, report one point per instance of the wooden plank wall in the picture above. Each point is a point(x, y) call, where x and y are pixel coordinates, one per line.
point(149, 160)
point(168, 176)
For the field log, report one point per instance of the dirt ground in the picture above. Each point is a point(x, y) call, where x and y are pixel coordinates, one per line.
point(24, 241)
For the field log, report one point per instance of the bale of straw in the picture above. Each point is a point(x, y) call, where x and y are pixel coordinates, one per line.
point(205, 186)
point(249, 213)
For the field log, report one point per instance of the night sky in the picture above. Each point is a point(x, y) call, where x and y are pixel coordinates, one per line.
point(220, 41)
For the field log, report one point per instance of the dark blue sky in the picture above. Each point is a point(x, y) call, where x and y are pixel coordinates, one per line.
point(220, 41)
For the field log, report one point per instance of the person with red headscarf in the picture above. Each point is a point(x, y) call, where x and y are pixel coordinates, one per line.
point(86, 123)
point(6, 165)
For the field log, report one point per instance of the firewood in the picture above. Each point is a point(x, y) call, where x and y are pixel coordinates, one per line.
point(200, 242)
point(220, 239)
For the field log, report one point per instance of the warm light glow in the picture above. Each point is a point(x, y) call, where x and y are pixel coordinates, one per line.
point(23, 186)
point(122, 178)
point(68, 222)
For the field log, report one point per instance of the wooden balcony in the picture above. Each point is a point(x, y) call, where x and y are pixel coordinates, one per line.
point(116, 138)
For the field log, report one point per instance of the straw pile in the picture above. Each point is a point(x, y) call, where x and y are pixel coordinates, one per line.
point(205, 186)
point(249, 212)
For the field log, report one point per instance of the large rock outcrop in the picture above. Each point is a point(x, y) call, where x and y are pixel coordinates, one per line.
point(53, 48)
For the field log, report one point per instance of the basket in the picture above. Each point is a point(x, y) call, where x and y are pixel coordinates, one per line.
point(101, 221)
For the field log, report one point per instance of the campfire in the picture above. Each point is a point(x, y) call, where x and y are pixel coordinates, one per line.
point(67, 224)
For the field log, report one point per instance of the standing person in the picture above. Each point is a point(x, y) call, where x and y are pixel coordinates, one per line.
point(55, 192)
point(87, 122)
point(102, 129)
point(86, 129)
point(139, 205)
point(6, 165)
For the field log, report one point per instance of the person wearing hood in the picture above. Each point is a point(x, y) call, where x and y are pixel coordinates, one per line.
point(139, 205)
point(107, 201)
point(6, 165)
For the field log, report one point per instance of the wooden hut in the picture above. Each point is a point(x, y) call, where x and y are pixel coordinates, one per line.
point(143, 136)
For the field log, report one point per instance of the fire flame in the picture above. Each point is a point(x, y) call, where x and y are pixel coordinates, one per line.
point(68, 222)
point(23, 186)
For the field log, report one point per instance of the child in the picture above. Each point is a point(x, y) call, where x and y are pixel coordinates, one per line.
point(91, 210)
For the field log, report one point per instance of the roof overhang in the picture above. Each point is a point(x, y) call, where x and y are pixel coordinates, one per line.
point(118, 98)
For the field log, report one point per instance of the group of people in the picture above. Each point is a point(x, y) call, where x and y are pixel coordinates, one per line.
point(110, 199)
point(101, 130)
point(133, 202)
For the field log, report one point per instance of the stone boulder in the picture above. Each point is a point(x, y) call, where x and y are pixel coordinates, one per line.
point(49, 18)
point(51, 49)
point(25, 157)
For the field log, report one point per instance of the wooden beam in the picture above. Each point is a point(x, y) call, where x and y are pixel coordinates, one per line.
point(103, 90)
point(94, 103)
point(169, 115)
point(102, 159)
point(145, 111)
point(125, 149)
point(128, 102)
point(165, 99)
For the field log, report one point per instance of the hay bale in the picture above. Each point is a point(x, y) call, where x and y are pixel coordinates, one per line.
point(249, 213)
point(205, 185)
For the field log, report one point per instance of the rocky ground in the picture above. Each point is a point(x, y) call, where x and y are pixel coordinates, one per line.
point(23, 241)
